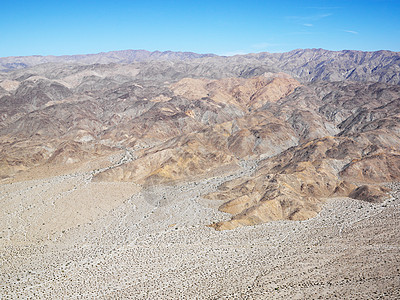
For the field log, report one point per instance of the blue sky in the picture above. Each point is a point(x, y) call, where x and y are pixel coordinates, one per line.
point(221, 27)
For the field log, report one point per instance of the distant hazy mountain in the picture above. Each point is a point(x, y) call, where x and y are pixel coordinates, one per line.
point(320, 64)
point(303, 64)
point(121, 57)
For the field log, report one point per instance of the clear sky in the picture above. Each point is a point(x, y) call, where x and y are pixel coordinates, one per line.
point(222, 27)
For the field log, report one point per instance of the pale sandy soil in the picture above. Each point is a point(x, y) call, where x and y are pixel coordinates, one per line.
point(117, 240)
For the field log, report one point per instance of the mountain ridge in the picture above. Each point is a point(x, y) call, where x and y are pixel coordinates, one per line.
point(309, 136)
point(118, 56)
point(304, 65)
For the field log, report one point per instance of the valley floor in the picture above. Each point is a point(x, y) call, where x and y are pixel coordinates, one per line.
point(156, 245)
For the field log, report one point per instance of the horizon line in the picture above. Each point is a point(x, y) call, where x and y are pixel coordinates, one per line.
point(209, 53)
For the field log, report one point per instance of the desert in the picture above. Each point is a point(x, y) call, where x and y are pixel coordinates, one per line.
point(176, 175)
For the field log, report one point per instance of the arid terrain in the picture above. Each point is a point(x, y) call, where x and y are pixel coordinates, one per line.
point(165, 175)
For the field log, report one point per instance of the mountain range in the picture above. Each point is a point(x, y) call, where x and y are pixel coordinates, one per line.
point(303, 64)
point(313, 123)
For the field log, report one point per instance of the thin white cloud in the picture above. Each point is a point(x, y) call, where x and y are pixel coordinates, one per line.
point(308, 25)
point(324, 7)
point(309, 18)
point(351, 31)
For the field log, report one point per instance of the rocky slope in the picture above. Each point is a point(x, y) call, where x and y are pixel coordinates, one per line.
point(294, 183)
point(202, 117)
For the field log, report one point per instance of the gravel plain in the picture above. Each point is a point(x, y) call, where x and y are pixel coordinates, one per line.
point(153, 243)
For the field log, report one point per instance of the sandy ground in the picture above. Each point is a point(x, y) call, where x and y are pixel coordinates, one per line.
point(66, 237)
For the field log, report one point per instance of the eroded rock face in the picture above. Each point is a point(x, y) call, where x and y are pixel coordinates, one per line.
point(369, 193)
point(294, 184)
point(193, 134)
point(247, 94)
point(174, 160)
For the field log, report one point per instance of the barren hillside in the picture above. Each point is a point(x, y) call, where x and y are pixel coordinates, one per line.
point(128, 153)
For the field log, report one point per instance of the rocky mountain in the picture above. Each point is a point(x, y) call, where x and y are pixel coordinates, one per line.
point(304, 65)
point(320, 64)
point(120, 57)
point(297, 125)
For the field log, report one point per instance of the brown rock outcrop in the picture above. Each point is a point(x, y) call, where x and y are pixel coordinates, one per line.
point(177, 159)
point(248, 94)
point(375, 194)
point(294, 184)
